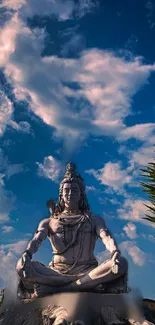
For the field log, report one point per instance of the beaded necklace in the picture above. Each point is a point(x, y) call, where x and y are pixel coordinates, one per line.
point(81, 220)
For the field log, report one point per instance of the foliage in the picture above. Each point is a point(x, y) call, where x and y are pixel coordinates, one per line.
point(149, 188)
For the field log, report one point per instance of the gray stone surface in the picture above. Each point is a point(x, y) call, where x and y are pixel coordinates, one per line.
point(76, 309)
point(73, 307)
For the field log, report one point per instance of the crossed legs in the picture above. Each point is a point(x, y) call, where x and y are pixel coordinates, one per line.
point(49, 280)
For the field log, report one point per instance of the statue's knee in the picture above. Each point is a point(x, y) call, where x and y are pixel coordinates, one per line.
point(123, 265)
point(19, 268)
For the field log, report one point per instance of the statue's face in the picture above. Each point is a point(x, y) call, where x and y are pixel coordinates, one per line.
point(71, 194)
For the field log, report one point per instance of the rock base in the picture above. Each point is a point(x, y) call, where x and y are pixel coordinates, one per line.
point(68, 308)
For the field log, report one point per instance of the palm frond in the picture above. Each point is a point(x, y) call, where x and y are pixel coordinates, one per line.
point(148, 187)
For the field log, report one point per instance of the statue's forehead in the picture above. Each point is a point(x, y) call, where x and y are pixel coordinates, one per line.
point(72, 184)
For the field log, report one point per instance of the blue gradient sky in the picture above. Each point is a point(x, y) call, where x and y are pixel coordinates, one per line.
point(77, 83)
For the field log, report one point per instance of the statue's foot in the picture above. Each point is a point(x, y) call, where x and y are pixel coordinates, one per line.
point(117, 286)
point(41, 290)
point(23, 292)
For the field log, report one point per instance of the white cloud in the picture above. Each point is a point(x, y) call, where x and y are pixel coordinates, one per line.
point(148, 236)
point(17, 247)
point(1, 179)
point(14, 169)
point(9, 169)
point(134, 210)
point(4, 217)
point(29, 8)
point(12, 4)
point(111, 175)
point(74, 45)
point(138, 131)
point(7, 200)
point(130, 230)
point(7, 270)
point(62, 9)
point(90, 188)
point(23, 127)
point(5, 112)
point(51, 168)
point(103, 256)
point(106, 83)
point(141, 156)
point(7, 229)
point(9, 254)
point(151, 237)
point(8, 38)
point(137, 255)
point(85, 6)
point(150, 11)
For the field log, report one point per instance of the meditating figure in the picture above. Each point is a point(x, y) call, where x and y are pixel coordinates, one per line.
point(72, 230)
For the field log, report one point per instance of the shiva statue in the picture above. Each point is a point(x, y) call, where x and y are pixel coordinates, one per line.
point(72, 230)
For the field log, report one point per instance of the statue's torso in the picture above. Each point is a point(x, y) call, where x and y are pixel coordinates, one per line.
point(61, 236)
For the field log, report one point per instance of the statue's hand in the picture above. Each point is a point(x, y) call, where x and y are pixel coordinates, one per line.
point(26, 264)
point(115, 262)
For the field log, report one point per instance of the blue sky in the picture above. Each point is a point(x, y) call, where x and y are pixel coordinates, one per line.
point(77, 83)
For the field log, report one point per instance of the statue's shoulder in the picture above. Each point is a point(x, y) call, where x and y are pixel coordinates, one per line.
point(92, 217)
point(44, 223)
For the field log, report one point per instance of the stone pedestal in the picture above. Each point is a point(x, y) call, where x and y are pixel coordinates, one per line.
point(67, 308)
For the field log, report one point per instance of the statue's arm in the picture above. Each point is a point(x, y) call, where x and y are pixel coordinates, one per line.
point(104, 233)
point(39, 236)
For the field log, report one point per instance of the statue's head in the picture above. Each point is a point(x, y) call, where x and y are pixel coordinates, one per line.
point(72, 191)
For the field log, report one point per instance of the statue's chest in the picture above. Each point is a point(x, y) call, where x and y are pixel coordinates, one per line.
point(64, 234)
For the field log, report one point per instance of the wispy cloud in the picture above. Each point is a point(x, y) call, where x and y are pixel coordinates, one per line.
point(142, 132)
point(7, 39)
point(134, 210)
point(130, 230)
point(5, 112)
point(23, 127)
point(62, 9)
point(7, 229)
point(137, 255)
point(7, 168)
point(51, 168)
point(105, 82)
point(86, 6)
point(111, 175)
point(148, 237)
point(74, 45)
point(150, 11)
point(7, 200)
point(91, 188)
point(103, 256)
point(9, 254)
point(17, 247)
point(142, 156)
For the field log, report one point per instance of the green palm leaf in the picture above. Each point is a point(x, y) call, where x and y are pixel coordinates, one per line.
point(149, 188)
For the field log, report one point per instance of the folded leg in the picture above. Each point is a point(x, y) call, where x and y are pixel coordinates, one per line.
point(100, 275)
point(42, 274)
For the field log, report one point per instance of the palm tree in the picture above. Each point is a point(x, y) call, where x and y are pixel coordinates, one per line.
point(149, 188)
